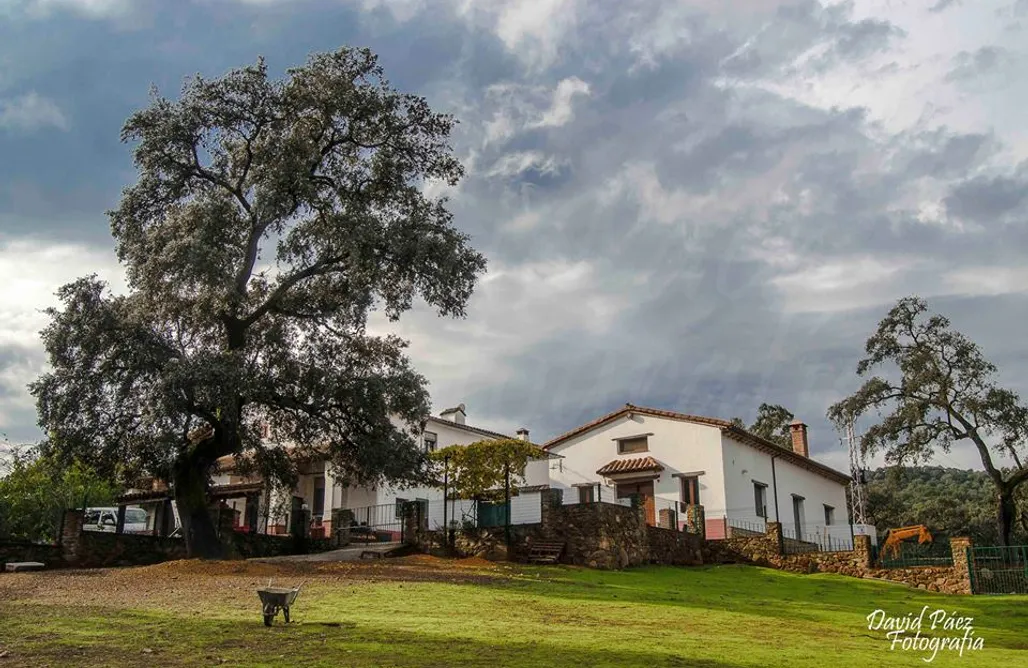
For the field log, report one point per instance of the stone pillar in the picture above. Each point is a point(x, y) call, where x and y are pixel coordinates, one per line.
point(552, 501)
point(695, 520)
point(774, 536)
point(341, 526)
point(667, 519)
point(71, 537)
point(412, 523)
point(959, 548)
point(862, 551)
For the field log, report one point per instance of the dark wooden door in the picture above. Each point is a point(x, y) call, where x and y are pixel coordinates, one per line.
point(644, 490)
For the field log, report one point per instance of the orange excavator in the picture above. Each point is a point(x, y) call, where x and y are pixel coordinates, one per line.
point(894, 537)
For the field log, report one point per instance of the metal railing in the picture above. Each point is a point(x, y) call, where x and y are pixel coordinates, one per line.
point(817, 540)
point(739, 527)
point(387, 515)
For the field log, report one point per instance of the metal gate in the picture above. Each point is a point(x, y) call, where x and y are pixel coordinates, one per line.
point(493, 514)
point(382, 523)
point(998, 570)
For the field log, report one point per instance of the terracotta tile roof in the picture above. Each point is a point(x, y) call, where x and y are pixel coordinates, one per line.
point(635, 465)
point(725, 426)
point(466, 427)
point(227, 463)
point(230, 491)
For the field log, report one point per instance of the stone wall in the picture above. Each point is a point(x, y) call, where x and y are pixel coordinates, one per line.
point(765, 550)
point(597, 535)
point(674, 548)
point(11, 552)
point(95, 549)
point(602, 535)
point(250, 545)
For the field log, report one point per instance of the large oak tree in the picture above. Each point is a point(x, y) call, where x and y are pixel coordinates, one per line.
point(270, 217)
point(943, 390)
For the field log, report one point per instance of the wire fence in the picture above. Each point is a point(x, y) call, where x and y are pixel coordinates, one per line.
point(998, 570)
point(907, 554)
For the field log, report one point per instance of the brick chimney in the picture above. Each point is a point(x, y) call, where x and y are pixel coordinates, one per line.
point(799, 438)
point(522, 434)
point(456, 414)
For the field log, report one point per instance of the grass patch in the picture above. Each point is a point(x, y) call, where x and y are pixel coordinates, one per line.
point(713, 617)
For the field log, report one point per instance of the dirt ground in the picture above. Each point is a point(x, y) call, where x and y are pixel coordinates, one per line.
point(192, 584)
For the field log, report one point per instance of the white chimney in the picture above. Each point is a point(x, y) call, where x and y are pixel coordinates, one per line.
point(522, 434)
point(456, 414)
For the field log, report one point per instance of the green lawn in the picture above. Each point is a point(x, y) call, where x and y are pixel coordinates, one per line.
point(704, 617)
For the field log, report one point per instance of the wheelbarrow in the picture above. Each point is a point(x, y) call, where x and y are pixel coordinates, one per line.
point(275, 598)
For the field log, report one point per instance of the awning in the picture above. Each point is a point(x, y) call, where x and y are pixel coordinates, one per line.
point(634, 465)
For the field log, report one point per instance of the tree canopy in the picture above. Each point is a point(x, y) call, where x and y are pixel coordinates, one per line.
point(35, 491)
point(479, 470)
point(942, 390)
point(269, 219)
point(772, 423)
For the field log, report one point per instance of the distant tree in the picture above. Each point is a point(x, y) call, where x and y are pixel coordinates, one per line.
point(479, 470)
point(772, 423)
point(270, 217)
point(949, 501)
point(943, 392)
point(36, 491)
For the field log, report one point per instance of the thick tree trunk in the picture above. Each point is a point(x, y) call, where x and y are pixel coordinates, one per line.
point(191, 498)
point(1006, 515)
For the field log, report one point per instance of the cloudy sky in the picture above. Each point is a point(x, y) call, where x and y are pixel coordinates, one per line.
point(694, 204)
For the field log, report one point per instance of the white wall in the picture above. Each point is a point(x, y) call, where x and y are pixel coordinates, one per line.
point(681, 447)
point(816, 490)
point(745, 464)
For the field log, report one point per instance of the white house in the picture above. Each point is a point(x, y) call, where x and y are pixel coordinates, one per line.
point(322, 492)
point(672, 459)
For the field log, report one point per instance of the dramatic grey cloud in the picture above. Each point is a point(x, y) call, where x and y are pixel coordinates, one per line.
point(695, 205)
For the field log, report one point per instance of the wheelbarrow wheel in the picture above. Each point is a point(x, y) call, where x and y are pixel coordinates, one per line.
point(285, 613)
point(268, 619)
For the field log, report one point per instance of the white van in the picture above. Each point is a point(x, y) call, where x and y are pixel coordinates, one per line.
point(106, 519)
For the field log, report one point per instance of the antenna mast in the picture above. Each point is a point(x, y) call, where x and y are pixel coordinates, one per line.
point(858, 464)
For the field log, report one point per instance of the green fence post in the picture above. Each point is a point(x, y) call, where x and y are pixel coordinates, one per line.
point(969, 555)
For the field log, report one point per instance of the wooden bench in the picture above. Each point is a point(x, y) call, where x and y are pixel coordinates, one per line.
point(21, 566)
point(545, 552)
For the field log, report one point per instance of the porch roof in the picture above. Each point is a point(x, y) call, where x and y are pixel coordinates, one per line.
point(217, 492)
point(635, 465)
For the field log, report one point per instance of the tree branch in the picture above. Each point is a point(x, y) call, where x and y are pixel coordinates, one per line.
point(321, 268)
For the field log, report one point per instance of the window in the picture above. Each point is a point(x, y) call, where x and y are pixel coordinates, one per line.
point(586, 494)
point(829, 515)
point(628, 446)
point(760, 499)
point(399, 508)
point(690, 491)
point(430, 441)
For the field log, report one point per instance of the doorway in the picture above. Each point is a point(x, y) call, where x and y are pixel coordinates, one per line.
point(644, 490)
